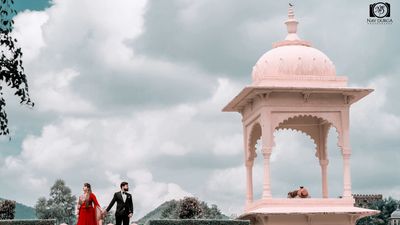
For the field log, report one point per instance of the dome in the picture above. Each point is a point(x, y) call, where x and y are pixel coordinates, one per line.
point(293, 62)
point(395, 214)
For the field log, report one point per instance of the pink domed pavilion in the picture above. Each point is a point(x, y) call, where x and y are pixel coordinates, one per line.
point(295, 86)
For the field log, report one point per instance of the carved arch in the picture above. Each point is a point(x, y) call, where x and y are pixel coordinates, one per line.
point(255, 134)
point(313, 139)
point(331, 118)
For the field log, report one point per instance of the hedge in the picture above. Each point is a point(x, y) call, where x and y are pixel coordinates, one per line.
point(28, 222)
point(198, 222)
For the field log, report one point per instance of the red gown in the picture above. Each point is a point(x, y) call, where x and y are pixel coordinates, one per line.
point(87, 213)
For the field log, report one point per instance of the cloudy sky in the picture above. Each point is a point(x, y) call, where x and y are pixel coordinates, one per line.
point(133, 90)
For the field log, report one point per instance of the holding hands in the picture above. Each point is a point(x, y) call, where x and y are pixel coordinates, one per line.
point(104, 212)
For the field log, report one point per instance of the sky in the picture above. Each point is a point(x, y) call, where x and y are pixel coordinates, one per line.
point(133, 90)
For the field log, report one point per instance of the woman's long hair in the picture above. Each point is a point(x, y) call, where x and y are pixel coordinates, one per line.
point(89, 188)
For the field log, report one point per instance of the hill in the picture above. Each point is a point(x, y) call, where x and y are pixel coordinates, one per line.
point(23, 212)
point(157, 212)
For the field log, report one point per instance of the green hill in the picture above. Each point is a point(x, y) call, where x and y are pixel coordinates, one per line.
point(23, 212)
point(156, 213)
point(169, 205)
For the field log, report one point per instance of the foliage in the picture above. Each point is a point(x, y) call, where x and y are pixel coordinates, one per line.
point(28, 222)
point(7, 210)
point(11, 69)
point(198, 222)
point(171, 212)
point(60, 205)
point(211, 213)
point(386, 206)
point(190, 208)
point(42, 210)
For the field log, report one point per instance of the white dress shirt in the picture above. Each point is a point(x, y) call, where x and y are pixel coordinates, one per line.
point(123, 196)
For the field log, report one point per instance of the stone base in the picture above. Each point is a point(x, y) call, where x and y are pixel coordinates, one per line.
point(305, 212)
point(305, 219)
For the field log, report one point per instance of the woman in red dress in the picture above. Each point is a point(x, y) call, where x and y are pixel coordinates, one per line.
point(88, 207)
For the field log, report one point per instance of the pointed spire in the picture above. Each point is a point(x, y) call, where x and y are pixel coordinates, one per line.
point(291, 24)
point(291, 37)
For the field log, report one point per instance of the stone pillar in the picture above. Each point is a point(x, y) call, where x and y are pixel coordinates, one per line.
point(324, 174)
point(267, 184)
point(346, 174)
point(267, 144)
point(249, 176)
point(346, 153)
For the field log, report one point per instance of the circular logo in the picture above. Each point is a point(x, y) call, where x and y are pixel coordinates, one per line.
point(380, 10)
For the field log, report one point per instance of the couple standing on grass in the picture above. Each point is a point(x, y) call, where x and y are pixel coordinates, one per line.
point(90, 212)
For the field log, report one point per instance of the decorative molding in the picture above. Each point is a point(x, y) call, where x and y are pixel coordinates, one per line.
point(306, 96)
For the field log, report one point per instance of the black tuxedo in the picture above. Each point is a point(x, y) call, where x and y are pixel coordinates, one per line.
point(123, 208)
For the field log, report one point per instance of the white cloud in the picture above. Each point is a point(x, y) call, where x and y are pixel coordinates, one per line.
point(101, 28)
point(225, 91)
point(130, 139)
point(149, 194)
point(53, 92)
point(228, 188)
point(57, 149)
point(54, 43)
point(232, 177)
point(230, 145)
point(113, 177)
point(172, 148)
point(384, 124)
point(28, 32)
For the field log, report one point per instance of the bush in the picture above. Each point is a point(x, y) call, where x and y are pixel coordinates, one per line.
point(176, 209)
point(198, 222)
point(7, 210)
point(189, 208)
point(28, 222)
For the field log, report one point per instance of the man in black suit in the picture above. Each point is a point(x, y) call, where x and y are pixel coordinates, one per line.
point(124, 209)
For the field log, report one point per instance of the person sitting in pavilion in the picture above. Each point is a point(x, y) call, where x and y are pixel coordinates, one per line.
point(300, 193)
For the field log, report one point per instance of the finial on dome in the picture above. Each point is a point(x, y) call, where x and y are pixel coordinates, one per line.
point(291, 24)
point(291, 37)
point(291, 12)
